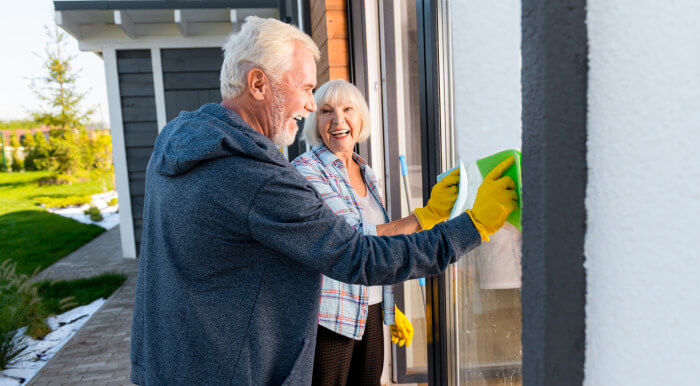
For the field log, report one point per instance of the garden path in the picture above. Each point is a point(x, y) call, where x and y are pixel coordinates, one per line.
point(101, 255)
point(98, 354)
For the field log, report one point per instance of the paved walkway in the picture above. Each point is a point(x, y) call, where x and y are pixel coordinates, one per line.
point(101, 255)
point(98, 354)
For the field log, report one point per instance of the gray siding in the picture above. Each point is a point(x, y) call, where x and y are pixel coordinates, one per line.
point(140, 124)
point(190, 78)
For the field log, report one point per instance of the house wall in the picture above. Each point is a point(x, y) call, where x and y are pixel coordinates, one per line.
point(486, 74)
point(140, 124)
point(643, 195)
point(190, 78)
point(329, 29)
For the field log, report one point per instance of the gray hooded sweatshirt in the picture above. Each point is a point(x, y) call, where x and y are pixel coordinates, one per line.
point(234, 244)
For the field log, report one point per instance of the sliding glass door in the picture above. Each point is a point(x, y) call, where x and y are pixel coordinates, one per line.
point(467, 324)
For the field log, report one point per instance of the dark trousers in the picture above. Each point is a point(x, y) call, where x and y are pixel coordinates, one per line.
point(340, 360)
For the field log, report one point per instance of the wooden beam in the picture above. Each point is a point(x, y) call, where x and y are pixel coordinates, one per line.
point(124, 21)
point(338, 52)
point(182, 23)
point(336, 25)
point(69, 25)
point(339, 72)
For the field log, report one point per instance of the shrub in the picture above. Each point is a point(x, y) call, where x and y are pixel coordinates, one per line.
point(12, 342)
point(14, 140)
point(113, 201)
point(39, 150)
point(17, 162)
point(94, 213)
point(18, 294)
point(20, 306)
point(79, 291)
point(29, 144)
point(28, 141)
point(63, 202)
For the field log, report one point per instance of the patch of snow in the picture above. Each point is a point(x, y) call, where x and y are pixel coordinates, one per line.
point(101, 201)
point(38, 352)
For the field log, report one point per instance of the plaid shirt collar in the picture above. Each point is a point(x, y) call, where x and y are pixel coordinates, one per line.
point(327, 158)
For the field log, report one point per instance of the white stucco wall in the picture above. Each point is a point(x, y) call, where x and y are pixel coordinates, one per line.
point(643, 196)
point(486, 75)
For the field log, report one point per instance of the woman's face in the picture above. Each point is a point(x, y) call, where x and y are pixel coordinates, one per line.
point(339, 125)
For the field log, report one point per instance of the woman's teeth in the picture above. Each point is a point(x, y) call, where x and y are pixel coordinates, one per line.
point(340, 133)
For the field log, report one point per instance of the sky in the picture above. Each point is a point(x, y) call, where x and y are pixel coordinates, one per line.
point(22, 43)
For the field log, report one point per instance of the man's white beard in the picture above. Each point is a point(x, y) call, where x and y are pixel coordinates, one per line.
point(281, 136)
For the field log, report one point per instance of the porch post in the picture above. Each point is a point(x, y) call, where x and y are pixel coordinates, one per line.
point(554, 84)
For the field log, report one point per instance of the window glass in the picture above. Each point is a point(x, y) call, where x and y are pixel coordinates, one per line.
point(408, 127)
point(489, 322)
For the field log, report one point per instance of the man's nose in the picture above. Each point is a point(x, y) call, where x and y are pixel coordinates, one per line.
point(311, 105)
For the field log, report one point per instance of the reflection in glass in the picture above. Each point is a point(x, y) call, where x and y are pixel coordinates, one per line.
point(489, 313)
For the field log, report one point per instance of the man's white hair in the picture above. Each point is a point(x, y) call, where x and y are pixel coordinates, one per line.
point(337, 91)
point(266, 44)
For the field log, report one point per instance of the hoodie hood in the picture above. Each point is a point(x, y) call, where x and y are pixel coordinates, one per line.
point(210, 132)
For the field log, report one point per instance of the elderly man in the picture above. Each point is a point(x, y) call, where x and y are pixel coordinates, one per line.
point(235, 240)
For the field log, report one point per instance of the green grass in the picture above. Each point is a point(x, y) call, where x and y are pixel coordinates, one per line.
point(18, 190)
point(31, 236)
point(83, 291)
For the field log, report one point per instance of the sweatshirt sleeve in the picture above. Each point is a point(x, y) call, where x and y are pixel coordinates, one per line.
point(288, 216)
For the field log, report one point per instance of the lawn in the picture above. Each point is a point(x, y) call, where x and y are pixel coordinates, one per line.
point(34, 238)
point(31, 236)
point(18, 190)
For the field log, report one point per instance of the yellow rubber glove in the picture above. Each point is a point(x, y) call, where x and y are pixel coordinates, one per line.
point(402, 329)
point(495, 199)
point(442, 199)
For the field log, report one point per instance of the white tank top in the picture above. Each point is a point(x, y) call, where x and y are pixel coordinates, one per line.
point(375, 216)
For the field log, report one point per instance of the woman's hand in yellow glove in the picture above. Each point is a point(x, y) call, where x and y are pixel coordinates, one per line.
point(402, 330)
point(442, 199)
point(495, 199)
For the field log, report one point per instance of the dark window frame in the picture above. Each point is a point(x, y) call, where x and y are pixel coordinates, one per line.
point(358, 61)
point(289, 13)
point(428, 33)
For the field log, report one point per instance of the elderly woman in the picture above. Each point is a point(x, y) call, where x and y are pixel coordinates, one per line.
point(349, 345)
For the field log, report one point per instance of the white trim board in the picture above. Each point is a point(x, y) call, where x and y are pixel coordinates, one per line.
point(158, 88)
point(126, 221)
point(374, 89)
point(153, 42)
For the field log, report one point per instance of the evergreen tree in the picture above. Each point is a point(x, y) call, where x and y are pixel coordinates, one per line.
point(57, 88)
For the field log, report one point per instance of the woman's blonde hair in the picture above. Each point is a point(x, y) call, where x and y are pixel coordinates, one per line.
point(266, 44)
point(334, 91)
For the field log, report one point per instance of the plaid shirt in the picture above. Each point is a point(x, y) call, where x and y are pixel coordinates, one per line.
point(344, 306)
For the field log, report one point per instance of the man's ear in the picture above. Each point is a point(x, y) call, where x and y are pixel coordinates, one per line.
point(258, 84)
